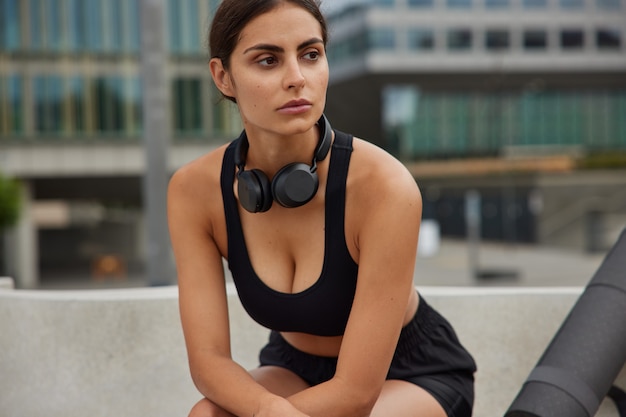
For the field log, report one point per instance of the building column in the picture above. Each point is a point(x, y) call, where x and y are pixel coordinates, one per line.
point(22, 244)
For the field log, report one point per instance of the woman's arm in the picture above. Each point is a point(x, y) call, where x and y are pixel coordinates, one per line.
point(203, 302)
point(386, 241)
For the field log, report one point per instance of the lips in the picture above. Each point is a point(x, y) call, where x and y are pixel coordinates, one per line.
point(296, 106)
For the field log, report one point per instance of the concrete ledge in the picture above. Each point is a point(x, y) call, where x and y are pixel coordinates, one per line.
point(121, 352)
point(7, 283)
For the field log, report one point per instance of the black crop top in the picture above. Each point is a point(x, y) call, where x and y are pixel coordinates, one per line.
point(323, 308)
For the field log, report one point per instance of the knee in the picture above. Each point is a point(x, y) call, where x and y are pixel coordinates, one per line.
point(206, 408)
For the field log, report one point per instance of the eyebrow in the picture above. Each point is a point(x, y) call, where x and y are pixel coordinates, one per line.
point(278, 49)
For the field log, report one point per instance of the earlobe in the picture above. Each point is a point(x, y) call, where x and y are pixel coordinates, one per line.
point(221, 77)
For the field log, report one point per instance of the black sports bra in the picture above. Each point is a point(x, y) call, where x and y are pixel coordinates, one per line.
point(323, 308)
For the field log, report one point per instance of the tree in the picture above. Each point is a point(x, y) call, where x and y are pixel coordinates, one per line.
point(9, 202)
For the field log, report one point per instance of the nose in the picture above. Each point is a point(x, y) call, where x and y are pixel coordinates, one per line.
point(294, 78)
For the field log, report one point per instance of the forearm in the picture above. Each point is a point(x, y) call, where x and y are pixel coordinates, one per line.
point(228, 385)
point(335, 398)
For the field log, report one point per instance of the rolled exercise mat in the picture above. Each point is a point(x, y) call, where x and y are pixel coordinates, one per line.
point(588, 351)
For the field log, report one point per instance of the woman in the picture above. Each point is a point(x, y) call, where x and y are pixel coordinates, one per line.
point(320, 240)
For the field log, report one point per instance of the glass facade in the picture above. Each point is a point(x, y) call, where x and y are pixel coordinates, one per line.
point(459, 39)
point(382, 38)
point(420, 3)
point(459, 4)
point(572, 4)
point(384, 3)
point(10, 37)
point(458, 124)
point(83, 26)
point(11, 105)
point(497, 4)
point(572, 39)
point(497, 39)
point(184, 22)
point(99, 94)
point(187, 105)
point(535, 39)
point(77, 106)
point(608, 39)
point(610, 4)
point(421, 39)
point(534, 4)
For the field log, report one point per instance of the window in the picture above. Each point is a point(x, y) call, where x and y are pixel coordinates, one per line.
point(420, 3)
point(48, 98)
point(93, 39)
point(608, 39)
point(497, 4)
point(348, 48)
point(535, 4)
point(54, 25)
point(572, 39)
point(75, 25)
point(382, 38)
point(37, 34)
point(132, 25)
point(133, 105)
point(459, 39)
point(184, 27)
point(115, 26)
point(9, 25)
point(609, 4)
point(572, 4)
point(187, 105)
point(497, 39)
point(108, 104)
point(77, 104)
point(121, 26)
point(421, 39)
point(535, 39)
point(11, 115)
point(459, 4)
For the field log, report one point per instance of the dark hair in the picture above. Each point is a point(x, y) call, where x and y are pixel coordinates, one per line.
point(233, 15)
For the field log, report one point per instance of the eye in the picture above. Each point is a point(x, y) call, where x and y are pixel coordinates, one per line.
point(312, 55)
point(267, 61)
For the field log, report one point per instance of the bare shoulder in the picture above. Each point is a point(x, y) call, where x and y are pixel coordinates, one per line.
point(199, 176)
point(194, 190)
point(376, 173)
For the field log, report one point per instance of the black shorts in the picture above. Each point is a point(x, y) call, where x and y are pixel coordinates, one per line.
point(428, 354)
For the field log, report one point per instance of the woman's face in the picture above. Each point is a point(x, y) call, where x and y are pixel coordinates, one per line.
point(278, 72)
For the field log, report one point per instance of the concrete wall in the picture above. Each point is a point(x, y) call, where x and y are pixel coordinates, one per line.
point(121, 352)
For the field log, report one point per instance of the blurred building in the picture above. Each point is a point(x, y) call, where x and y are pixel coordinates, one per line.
point(509, 97)
point(71, 125)
point(427, 79)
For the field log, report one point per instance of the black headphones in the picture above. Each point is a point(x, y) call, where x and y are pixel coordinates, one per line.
point(293, 185)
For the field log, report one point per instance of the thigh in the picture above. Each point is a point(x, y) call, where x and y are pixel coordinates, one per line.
point(404, 399)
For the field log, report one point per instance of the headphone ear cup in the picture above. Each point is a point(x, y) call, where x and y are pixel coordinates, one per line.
point(254, 190)
point(294, 185)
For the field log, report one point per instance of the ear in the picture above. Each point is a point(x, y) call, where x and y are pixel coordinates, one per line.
point(221, 77)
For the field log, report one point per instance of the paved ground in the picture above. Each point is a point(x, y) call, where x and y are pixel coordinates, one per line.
point(498, 265)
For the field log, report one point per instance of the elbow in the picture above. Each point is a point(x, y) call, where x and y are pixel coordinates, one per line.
point(363, 405)
point(361, 400)
point(366, 404)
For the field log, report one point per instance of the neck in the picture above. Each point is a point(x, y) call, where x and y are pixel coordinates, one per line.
point(270, 152)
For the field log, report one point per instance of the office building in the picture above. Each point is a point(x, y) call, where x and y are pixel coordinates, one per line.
point(426, 79)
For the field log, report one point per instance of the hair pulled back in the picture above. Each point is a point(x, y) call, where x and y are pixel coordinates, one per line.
point(233, 15)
